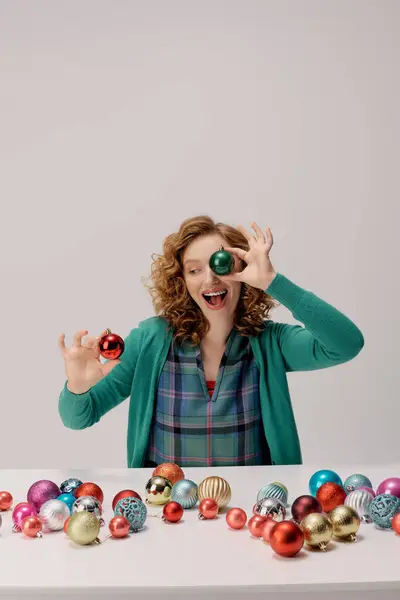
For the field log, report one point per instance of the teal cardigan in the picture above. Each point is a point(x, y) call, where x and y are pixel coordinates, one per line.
point(328, 338)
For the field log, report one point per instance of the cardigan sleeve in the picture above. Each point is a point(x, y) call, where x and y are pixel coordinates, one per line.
point(328, 337)
point(78, 411)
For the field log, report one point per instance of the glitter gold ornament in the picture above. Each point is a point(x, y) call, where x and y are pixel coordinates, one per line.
point(84, 528)
point(345, 522)
point(91, 504)
point(217, 488)
point(170, 471)
point(317, 530)
point(158, 490)
point(89, 489)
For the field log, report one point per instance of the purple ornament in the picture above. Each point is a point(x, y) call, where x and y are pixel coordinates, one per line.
point(41, 491)
point(22, 510)
point(367, 489)
point(389, 486)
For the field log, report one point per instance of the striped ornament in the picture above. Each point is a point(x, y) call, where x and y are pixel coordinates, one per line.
point(273, 490)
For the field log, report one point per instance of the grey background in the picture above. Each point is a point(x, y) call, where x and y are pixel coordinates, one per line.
point(120, 119)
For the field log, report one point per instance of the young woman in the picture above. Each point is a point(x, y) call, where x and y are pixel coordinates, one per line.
point(207, 376)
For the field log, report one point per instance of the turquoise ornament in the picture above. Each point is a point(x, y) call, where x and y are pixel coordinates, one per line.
point(382, 510)
point(185, 493)
point(134, 510)
point(321, 477)
point(69, 500)
point(273, 490)
point(356, 481)
point(69, 485)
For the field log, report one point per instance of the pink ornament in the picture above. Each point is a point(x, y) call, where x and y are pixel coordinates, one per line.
point(368, 489)
point(22, 510)
point(389, 486)
point(41, 491)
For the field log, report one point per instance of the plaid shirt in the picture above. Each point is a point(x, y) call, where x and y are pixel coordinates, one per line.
point(198, 424)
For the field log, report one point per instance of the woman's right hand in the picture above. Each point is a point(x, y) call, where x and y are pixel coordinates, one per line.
point(82, 362)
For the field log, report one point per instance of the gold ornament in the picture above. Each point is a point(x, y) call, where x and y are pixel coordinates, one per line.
point(345, 521)
point(216, 488)
point(84, 528)
point(317, 530)
point(158, 490)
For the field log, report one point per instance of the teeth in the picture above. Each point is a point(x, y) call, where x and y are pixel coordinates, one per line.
point(215, 293)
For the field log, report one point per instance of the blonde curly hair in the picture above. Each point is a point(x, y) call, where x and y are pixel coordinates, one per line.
point(172, 300)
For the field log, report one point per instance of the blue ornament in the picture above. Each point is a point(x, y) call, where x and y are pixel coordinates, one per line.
point(69, 485)
point(321, 477)
point(356, 481)
point(185, 492)
point(69, 500)
point(383, 508)
point(134, 510)
point(273, 490)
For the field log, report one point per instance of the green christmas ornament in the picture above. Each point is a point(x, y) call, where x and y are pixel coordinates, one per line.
point(222, 262)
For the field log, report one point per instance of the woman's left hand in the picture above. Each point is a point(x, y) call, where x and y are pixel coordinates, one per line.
point(259, 271)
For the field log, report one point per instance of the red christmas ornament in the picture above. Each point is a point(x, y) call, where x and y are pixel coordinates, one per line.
point(124, 494)
point(266, 529)
point(236, 518)
point(330, 495)
point(208, 508)
point(169, 471)
point(32, 527)
point(5, 500)
point(111, 345)
point(304, 506)
point(66, 525)
point(89, 489)
point(119, 526)
point(255, 524)
point(286, 538)
point(396, 523)
point(172, 512)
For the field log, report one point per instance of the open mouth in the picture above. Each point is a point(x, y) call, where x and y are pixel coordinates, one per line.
point(216, 299)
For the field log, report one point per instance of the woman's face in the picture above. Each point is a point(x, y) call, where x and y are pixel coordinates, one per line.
point(201, 280)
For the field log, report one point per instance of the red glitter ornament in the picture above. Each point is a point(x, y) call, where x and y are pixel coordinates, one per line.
point(89, 489)
point(330, 495)
point(124, 494)
point(169, 471)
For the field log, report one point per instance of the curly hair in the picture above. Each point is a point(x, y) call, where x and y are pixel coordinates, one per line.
point(172, 300)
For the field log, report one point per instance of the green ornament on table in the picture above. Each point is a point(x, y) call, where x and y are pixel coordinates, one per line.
point(222, 262)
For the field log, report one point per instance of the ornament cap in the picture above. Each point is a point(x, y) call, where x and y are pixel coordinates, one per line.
point(353, 538)
point(108, 331)
point(322, 546)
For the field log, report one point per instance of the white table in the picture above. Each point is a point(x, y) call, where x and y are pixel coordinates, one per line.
point(194, 559)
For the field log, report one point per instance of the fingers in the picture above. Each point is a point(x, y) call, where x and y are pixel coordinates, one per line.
point(259, 232)
point(238, 251)
point(78, 338)
point(61, 342)
point(270, 237)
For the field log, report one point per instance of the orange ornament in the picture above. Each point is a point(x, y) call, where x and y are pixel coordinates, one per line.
point(170, 471)
point(266, 529)
point(66, 525)
point(236, 518)
point(119, 526)
point(124, 494)
point(89, 489)
point(330, 495)
point(208, 509)
point(32, 527)
point(396, 523)
point(172, 512)
point(286, 538)
point(5, 500)
point(255, 524)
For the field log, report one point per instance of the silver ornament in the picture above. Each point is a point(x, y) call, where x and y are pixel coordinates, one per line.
point(70, 485)
point(89, 503)
point(53, 514)
point(361, 501)
point(271, 507)
point(185, 492)
point(273, 490)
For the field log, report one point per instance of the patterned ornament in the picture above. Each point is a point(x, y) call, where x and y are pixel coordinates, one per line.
point(32, 527)
point(273, 490)
point(356, 481)
point(317, 530)
point(321, 477)
point(185, 492)
point(111, 345)
point(124, 494)
point(389, 486)
point(69, 500)
point(89, 504)
point(89, 489)
point(217, 488)
point(367, 489)
point(158, 490)
point(70, 485)
point(5, 500)
point(303, 506)
point(330, 495)
point(361, 501)
point(134, 510)
point(271, 507)
point(345, 522)
point(286, 539)
point(382, 510)
point(22, 510)
point(53, 514)
point(83, 528)
point(170, 471)
point(41, 491)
